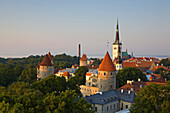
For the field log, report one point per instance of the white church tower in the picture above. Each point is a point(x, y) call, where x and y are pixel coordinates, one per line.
point(117, 45)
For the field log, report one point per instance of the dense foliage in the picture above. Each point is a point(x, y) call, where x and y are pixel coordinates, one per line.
point(80, 75)
point(20, 92)
point(153, 98)
point(51, 94)
point(25, 69)
point(128, 73)
point(96, 61)
point(164, 73)
point(165, 62)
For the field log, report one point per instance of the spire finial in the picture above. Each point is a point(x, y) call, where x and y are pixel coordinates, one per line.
point(117, 20)
point(107, 44)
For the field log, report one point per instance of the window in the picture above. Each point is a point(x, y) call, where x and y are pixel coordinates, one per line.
point(115, 48)
point(107, 108)
point(111, 73)
point(104, 73)
point(114, 105)
point(126, 106)
point(111, 86)
point(101, 86)
point(110, 106)
point(122, 107)
point(95, 108)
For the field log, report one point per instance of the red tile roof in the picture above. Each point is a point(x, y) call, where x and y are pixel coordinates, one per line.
point(148, 83)
point(84, 58)
point(107, 64)
point(156, 67)
point(49, 55)
point(46, 61)
point(146, 63)
point(88, 74)
point(129, 64)
point(135, 85)
point(66, 73)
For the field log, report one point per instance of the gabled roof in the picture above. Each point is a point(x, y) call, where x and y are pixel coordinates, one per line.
point(107, 64)
point(136, 85)
point(84, 58)
point(46, 61)
point(146, 63)
point(156, 67)
point(110, 96)
point(129, 64)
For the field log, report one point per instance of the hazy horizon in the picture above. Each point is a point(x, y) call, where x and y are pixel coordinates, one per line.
point(37, 27)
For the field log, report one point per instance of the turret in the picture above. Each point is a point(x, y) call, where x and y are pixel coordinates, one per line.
point(46, 67)
point(83, 60)
point(106, 75)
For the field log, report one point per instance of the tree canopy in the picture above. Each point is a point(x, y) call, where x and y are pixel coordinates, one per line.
point(80, 74)
point(153, 98)
point(47, 95)
point(165, 62)
point(128, 73)
point(164, 73)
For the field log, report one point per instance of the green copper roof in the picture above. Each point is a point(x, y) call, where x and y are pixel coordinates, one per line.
point(125, 54)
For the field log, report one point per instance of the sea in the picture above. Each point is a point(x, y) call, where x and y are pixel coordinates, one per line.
point(99, 56)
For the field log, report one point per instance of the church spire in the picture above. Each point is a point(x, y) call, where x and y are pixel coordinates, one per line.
point(117, 33)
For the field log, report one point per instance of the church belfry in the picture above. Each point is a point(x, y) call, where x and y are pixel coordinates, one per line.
point(117, 45)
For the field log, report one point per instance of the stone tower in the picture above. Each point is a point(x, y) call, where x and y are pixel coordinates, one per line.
point(83, 60)
point(46, 67)
point(117, 45)
point(106, 75)
point(118, 61)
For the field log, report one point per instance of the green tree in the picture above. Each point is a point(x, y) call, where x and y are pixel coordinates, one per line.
point(153, 98)
point(66, 102)
point(80, 74)
point(164, 73)
point(50, 84)
point(128, 73)
point(165, 62)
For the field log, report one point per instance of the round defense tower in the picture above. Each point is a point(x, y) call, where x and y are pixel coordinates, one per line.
point(46, 67)
point(106, 75)
point(83, 60)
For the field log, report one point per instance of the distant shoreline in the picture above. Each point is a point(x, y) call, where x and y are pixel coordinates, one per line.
point(95, 56)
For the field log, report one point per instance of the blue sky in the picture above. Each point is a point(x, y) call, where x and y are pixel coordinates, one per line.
point(30, 27)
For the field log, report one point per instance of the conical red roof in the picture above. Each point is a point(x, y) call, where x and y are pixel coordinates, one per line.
point(84, 57)
point(107, 64)
point(66, 73)
point(49, 55)
point(46, 61)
